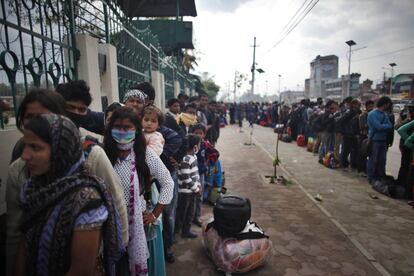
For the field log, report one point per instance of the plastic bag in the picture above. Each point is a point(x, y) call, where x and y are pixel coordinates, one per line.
point(236, 256)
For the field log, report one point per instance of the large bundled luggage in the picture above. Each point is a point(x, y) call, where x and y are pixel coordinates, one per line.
point(232, 255)
point(235, 244)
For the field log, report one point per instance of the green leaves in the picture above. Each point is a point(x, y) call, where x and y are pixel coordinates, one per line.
point(276, 162)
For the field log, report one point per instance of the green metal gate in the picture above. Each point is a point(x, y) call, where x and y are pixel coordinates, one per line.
point(37, 46)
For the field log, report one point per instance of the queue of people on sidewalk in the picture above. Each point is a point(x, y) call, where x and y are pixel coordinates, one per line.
point(83, 205)
point(350, 135)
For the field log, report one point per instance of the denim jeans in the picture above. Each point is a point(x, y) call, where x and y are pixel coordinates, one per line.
point(169, 214)
point(377, 160)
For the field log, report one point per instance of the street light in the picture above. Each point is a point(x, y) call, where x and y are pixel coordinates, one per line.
point(350, 43)
point(392, 64)
point(280, 95)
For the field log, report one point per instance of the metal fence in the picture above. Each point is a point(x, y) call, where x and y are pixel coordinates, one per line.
point(38, 46)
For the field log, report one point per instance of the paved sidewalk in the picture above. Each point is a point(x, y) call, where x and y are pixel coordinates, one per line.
point(384, 226)
point(305, 241)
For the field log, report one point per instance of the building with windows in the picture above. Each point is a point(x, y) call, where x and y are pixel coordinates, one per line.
point(403, 86)
point(337, 89)
point(290, 97)
point(323, 68)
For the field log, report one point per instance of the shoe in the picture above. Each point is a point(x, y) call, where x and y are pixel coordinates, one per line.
point(362, 174)
point(320, 162)
point(169, 257)
point(197, 222)
point(189, 235)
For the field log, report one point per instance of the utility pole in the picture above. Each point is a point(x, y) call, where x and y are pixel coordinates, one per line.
point(392, 75)
point(280, 95)
point(253, 69)
point(350, 43)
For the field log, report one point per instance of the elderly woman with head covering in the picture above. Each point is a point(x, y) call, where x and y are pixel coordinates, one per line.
point(67, 212)
point(135, 99)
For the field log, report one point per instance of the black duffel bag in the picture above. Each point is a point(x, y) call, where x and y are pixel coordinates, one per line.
point(231, 213)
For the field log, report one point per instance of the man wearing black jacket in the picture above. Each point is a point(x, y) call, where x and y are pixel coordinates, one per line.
point(349, 123)
point(327, 122)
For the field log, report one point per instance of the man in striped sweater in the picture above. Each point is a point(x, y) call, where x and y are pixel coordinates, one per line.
point(188, 187)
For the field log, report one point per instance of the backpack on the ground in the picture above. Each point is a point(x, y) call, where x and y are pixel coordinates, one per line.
point(231, 214)
point(389, 187)
point(300, 140)
point(285, 138)
point(309, 145)
point(330, 161)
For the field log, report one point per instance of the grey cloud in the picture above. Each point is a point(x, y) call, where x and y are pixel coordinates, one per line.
point(219, 5)
point(367, 22)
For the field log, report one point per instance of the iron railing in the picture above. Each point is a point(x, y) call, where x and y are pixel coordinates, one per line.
point(38, 46)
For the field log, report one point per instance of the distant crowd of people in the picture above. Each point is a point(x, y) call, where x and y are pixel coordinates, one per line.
point(348, 135)
point(109, 203)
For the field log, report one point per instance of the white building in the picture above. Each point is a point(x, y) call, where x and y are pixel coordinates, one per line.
point(290, 97)
point(337, 89)
point(323, 68)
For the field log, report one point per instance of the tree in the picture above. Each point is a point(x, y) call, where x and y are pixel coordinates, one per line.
point(211, 88)
point(189, 60)
point(209, 85)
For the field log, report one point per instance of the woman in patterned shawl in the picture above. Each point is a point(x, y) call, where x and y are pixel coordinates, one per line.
point(125, 145)
point(67, 212)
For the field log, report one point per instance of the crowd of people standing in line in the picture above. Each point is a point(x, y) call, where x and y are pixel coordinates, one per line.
point(348, 135)
point(84, 205)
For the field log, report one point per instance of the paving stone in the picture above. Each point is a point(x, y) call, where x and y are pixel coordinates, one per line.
point(310, 269)
point(283, 250)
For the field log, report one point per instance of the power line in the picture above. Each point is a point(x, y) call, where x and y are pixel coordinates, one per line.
point(298, 10)
point(297, 22)
point(386, 54)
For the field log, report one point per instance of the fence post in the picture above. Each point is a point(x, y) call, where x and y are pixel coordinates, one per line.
point(109, 78)
point(158, 84)
point(88, 67)
point(176, 88)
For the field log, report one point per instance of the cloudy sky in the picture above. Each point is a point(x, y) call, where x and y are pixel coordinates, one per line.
point(224, 31)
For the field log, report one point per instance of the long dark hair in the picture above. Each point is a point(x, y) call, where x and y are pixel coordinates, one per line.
point(110, 145)
point(49, 99)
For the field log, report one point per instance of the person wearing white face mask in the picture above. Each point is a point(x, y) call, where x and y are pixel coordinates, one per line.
point(135, 164)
